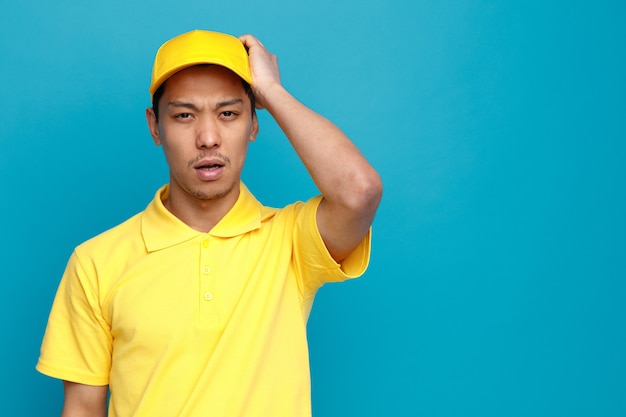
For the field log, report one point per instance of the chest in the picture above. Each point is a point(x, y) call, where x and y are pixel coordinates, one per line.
point(194, 290)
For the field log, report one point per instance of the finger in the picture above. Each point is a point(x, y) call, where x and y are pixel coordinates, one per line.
point(249, 40)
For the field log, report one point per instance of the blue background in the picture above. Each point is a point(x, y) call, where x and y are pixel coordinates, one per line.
point(497, 282)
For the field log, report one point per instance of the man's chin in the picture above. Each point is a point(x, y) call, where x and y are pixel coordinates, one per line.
point(214, 194)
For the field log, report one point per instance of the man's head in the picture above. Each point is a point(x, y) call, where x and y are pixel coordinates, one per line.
point(203, 114)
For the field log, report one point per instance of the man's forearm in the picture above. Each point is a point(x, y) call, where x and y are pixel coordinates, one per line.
point(351, 188)
point(338, 168)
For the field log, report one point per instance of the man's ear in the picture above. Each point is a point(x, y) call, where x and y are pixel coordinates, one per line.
point(153, 126)
point(254, 129)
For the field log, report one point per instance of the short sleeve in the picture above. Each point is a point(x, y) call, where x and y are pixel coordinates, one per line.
point(313, 260)
point(77, 344)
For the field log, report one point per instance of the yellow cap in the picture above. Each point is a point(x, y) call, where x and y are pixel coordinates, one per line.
point(199, 47)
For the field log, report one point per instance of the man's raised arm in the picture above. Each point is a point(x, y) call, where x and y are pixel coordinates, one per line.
point(351, 188)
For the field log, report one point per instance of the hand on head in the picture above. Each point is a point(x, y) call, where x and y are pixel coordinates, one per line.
point(264, 68)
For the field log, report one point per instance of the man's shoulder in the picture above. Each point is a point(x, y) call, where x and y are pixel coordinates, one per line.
point(290, 213)
point(122, 234)
point(292, 208)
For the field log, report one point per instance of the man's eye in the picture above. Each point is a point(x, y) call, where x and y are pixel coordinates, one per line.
point(183, 116)
point(229, 114)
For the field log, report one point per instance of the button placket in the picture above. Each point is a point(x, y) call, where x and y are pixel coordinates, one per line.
point(207, 285)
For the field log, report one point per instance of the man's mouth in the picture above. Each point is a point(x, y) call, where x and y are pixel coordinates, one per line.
point(209, 167)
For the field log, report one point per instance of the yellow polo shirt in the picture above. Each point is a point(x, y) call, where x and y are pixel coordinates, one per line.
point(183, 323)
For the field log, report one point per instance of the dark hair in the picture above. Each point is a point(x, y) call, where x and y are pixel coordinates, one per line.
point(156, 97)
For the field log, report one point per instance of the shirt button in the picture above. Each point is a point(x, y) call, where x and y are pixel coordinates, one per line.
point(205, 243)
point(206, 270)
point(208, 296)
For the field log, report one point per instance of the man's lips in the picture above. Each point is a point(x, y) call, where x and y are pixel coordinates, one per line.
point(209, 169)
point(210, 164)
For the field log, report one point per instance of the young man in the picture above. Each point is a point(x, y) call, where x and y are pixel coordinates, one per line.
point(198, 305)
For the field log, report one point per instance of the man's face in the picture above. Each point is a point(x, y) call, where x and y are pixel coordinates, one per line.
point(205, 125)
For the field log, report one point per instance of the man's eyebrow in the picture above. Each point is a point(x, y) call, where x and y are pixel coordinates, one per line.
point(229, 102)
point(184, 104)
point(192, 106)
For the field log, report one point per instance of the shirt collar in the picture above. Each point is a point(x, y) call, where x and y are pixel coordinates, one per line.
point(161, 229)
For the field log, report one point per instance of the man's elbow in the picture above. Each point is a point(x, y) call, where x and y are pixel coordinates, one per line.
point(366, 193)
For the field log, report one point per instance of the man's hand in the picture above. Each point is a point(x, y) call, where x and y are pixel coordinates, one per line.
point(264, 68)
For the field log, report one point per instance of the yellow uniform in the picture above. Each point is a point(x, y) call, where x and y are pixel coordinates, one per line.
point(183, 323)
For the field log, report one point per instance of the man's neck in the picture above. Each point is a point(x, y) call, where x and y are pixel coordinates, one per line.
point(200, 214)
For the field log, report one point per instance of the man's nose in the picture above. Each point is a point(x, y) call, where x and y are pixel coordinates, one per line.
point(207, 135)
